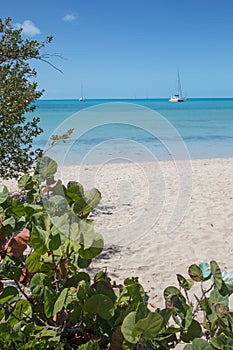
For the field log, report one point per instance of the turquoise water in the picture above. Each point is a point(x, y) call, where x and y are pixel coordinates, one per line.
point(205, 127)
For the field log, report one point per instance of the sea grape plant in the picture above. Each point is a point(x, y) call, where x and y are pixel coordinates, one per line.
point(50, 300)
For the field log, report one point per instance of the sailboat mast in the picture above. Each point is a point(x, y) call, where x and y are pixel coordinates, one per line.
point(179, 85)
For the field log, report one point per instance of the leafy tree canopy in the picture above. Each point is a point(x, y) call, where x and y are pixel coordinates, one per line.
point(18, 92)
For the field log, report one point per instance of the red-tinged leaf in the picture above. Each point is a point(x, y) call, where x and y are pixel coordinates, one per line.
point(45, 190)
point(1, 286)
point(60, 317)
point(62, 268)
point(24, 278)
point(18, 244)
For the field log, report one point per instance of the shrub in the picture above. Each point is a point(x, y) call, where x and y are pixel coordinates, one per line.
point(49, 301)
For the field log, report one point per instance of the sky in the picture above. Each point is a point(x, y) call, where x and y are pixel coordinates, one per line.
point(130, 48)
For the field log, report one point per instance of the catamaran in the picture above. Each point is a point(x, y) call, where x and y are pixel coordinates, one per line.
point(179, 96)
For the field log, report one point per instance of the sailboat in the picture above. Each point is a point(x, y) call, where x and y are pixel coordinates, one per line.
point(179, 96)
point(82, 98)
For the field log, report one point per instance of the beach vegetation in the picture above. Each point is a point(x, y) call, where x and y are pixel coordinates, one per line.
point(51, 299)
point(18, 93)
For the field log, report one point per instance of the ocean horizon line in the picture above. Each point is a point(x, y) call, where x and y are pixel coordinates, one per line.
point(132, 99)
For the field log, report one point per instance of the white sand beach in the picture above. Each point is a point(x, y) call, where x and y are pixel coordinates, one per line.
point(138, 201)
point(135, 216)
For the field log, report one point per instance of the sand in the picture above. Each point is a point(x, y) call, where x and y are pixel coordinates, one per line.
point(158, 218)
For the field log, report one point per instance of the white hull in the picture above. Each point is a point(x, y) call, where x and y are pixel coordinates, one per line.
point(82, 99)
point(177, 99)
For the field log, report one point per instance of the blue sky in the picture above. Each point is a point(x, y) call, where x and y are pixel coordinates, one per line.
point(131, 48)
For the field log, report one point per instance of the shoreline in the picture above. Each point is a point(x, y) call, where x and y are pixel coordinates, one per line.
point(138, 202)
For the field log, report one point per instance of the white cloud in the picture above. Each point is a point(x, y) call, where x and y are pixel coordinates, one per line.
point(69, 18)
point(28, 27)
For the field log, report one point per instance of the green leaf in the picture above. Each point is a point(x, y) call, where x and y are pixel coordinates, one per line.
point(33, 263)
point(49, 296)
point(194, 331)
point(91, 345)
point(195, 273)
point(54, 242)
point(46, 167)
point(38, 283)
point(134, 289)
point(75, 194)
point(101, 305)
point(228, 280)
point(92, 199)
point(218, 299)
point(198, 344)
point(56, 206)
point(4, 195)
point(26, 182)
point(91, 241)
point(60, 302)
point(8, 226)
point(148, 327)
point(8, 293)
point(128, 327)
point(184, 283)
point(22, 310)
point(217, 274)
point(171, 290)
point(39, 239)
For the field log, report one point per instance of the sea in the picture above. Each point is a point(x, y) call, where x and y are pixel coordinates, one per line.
point(129, 130)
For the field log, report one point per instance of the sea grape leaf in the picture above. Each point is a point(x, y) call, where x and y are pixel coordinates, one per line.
point(206, 272)
point(46, 167)
point(17, 244)
point(56, 206)
point(8, 226)
point(91, 242)
point(171, 290)
point(228, 280)
point(195, 273)
point(101, 305)
point(128, 327)
point(188, 317)
point(54, 242)
point(61, 301)
point(22, 310)
point(9, 293)
point(218, 299)
point(194, 331)
point(25, 181)
point(92, 199)
point(4, 195)
point(222, 342)
point(33, 263)
point(75, 194)
point(198, 344)
point(17, 208)
point(91, 345)
point(38, 283)
point(134, 289)
point(39, 239)
point(61, 225)
point(217, 274)
point(184, 283)
point(148, 327)
point(49, 298)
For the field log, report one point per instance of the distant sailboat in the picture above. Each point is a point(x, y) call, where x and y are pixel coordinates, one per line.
point(82, 98)
point(179, 96)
